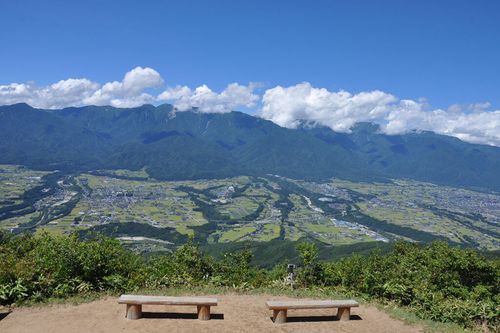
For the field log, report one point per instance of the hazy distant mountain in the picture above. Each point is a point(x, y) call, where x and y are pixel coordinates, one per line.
point(186, 145)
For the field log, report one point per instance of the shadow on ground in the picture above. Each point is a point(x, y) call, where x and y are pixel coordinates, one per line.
point(301, 319)
point(177, 315)
point(4, 314)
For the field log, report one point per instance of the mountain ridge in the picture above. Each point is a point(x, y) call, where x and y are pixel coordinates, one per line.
point(174, 145)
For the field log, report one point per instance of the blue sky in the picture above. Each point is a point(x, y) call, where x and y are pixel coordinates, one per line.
point(445, 51)
point(428, 65)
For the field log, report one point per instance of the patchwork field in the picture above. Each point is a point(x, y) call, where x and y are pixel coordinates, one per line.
point(457, 214)
point(14, 181)
point(151, 215)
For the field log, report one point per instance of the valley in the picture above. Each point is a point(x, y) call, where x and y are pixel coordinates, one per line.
point(151, 215)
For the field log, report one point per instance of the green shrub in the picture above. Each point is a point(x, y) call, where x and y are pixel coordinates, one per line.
point(59, 266)
point(311, 272)
point(12, 292)
point(235, 270)
point(187, 266)
point(439, 282)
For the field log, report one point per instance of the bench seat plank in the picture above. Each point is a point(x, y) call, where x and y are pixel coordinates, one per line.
point(289, 305)
point(166, 300)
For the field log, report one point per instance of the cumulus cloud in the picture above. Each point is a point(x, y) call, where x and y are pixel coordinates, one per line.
point(474, 125)
point(60, 94)
point(292, 106)
point(303, 104)
point(76, 92)
point(205, 100)
point(130, 91)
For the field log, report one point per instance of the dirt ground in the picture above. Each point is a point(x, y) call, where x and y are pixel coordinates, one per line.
point(235, 313)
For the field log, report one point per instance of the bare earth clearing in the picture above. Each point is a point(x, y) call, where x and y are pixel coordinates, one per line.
point(235, 313)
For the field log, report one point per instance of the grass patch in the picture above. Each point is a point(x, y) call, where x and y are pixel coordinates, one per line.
point(236, 233)
point(411, 318)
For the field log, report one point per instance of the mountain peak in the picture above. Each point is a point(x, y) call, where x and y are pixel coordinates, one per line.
point(365, 128)
point(17, 106)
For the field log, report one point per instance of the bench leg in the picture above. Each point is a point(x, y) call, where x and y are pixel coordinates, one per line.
point(134, 311)
point(203, 312)
point(344, 313)
point(279, 316)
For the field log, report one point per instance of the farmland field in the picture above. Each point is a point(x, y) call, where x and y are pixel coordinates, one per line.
point(130, 205)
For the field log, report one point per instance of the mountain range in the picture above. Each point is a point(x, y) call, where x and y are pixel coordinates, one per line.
point(172, 145)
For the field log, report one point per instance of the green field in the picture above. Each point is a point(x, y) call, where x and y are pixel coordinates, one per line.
point(456, 214)
point(14, 181)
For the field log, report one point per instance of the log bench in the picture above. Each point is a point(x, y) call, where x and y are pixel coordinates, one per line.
point(280, 308)
point(135, 302)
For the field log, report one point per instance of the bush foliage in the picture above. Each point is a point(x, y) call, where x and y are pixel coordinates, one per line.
point(439, 282)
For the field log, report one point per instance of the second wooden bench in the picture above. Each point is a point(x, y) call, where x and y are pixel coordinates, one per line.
point(280, 308)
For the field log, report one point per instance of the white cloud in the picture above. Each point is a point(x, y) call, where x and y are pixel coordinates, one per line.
point(304, 104)
point(130, 91)
point(289, 107)
point(14, 93)
point(232, 97)
point(60, 94)
point(475, 126)
point(76, 92)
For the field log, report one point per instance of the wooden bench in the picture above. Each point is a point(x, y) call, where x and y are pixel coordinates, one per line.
point(280, 308)
point(135, 302)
